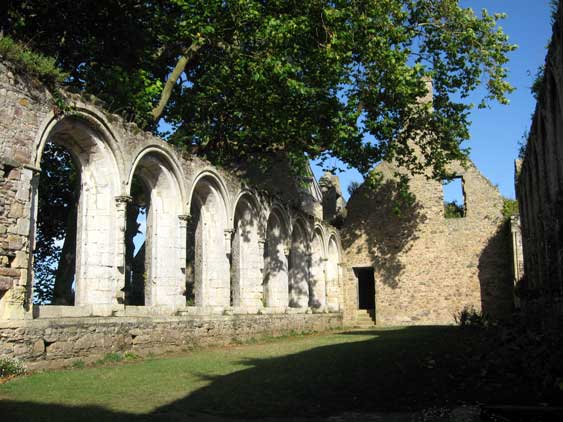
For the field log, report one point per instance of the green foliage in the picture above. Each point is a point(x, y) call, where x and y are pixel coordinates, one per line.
point(453, 210)
point(309, 79)
point(537, 85)
point(523, 144)
point(509, 208)
point(11, 367)
point(35, 64)
point(352, 187)
point(554, 5)
point(110, 358)
point(470, 317)
point(79, 364)
point(131, 356)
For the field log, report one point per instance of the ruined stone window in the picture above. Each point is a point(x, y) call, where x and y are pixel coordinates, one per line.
point(135, 243)
point(454, 197)
point(88, 246)
point(54, 255)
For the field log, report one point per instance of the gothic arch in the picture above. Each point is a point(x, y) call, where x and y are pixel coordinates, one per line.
point(276, 282)
point(94, 150)
point(317, 291)
point(299, 266)
point(247, 259)
point(209, 243)
point(164, 245)
point(333, 273)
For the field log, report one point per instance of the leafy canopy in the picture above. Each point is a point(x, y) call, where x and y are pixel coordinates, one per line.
point(243, 79)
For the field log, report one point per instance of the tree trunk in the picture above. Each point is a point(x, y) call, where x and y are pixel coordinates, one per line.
point(64, 277)
point(171, 81)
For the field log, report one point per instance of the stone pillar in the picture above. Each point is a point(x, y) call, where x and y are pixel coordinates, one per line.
point(517, 255)
point(287, 253)
point(261, 246)
point(228, 240)
point(121, 203)
point(324, 270)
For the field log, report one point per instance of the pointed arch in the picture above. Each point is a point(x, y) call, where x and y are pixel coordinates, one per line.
point(333, 273)
point(85, 135)
point(160, 178)
point(276, 278)
point(317, 275)
point(247, 259)
point(208, 243)
point(299, 265)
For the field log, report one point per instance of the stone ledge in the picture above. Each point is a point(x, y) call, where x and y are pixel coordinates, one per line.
point(44, 341)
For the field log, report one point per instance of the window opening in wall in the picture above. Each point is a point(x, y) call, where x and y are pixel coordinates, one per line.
point(454, 197)
point(135, 244)
point(191, 249)
point(366, 287)
point(54, 255)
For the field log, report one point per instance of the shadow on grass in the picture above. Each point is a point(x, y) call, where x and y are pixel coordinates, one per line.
point(393, 370)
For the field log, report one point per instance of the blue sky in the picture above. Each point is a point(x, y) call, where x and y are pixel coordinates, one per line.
point(496, 132)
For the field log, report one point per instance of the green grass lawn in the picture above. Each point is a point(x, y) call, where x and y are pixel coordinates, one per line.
point(382, 369)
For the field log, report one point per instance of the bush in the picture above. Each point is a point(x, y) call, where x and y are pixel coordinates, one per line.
point(470, 317)
point(11, 367)
point(453, 210)
point(79, 364)
point(110, 358)
point(131, 356)
point(42, 67)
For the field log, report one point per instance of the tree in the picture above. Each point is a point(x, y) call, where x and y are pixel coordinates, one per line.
point(243, 79)
point(54, 254)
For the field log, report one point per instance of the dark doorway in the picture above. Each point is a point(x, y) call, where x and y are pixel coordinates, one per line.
point(366, 287)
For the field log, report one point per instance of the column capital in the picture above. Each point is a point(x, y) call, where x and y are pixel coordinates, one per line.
point(228, 238)
point(123, 199)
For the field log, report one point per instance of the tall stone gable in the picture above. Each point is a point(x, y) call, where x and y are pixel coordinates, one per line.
point(427, 268)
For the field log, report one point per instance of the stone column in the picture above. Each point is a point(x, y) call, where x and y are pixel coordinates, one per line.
point(121, 203)
point(228, 240)
point(261, 246)
point(324, 270)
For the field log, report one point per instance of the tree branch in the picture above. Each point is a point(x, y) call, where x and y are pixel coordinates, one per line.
point(184, 59)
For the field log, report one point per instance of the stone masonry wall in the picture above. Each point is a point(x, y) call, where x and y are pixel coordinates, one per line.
point(110, 152)
point(51, 342)
point(428, 268)
point(539, 184)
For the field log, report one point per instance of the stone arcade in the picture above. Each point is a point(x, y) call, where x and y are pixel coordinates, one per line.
point(224, 259)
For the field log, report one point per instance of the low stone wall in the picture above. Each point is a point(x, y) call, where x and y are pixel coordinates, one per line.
point(56, 342)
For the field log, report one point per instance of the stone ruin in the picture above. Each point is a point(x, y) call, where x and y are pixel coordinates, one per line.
point(228, 254)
